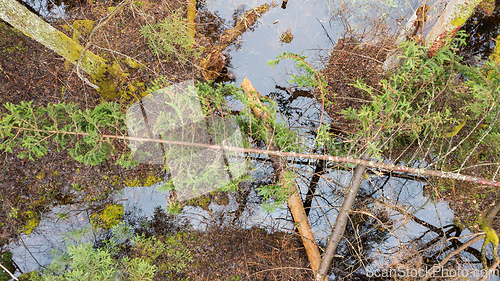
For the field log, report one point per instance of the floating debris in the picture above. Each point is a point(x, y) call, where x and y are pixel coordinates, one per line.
point(286, 37)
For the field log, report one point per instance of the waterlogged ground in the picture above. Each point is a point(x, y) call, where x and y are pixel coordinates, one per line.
point(230, 234)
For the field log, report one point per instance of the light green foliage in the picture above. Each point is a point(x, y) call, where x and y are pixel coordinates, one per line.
point(170, 37)
point(213, 99)
point(406, 103)
point(233, 184)
point(30, 131)
point(176, 255)
point(139, 269)
point(33, 129)
point(158, 83)
point(422, 100)
point(310, 79)
point(326, 139)
point(276, 195)
point(256, 129)
point(174, 208)
point(484, 83)
point(83, 262)
point(125, 256)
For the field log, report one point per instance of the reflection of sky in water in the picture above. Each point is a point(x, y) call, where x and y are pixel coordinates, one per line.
point(42, 7)
point(303, 18)
point(411, 195)
point(48, 236)
point(259, 46)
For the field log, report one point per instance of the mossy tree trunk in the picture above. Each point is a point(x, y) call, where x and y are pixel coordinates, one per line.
point(457, 12)
point(34, 27)
point(191, 15)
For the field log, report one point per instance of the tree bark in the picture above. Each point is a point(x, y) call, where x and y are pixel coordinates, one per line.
point(214, 60)
point(457, 12)
point(340, 222)
point(34, 27)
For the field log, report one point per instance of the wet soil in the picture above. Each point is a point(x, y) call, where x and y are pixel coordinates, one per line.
point(253, 253)
point(224, 252)
point(30, 72)
point(350, 60)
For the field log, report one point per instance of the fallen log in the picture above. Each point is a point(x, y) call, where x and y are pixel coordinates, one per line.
point(457, 12)
point(294, 202)
point(213, 60)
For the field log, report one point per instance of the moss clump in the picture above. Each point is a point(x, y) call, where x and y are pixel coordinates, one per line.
point(495, 57)
point(146, 181)
point(132, 63)
point(108, 218)
point(41, 175)
point(6, 261)
point(286, 37)
point(82, 27)
point(32, 221)
point(151, 179)
point(202, 201)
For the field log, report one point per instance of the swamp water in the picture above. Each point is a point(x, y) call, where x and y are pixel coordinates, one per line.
point(315, 26)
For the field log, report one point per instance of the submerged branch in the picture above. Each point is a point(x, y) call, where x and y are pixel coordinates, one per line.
point(453, 253)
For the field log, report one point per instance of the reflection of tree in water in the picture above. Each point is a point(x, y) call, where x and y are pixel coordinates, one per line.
point(45, 7)
point(210, 26)
point(372, 222)
point(483, 30)
point(367, 228)
point(161, 223)
point(285, 98)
